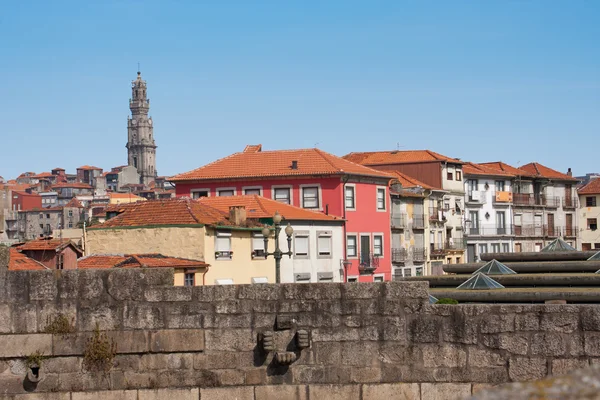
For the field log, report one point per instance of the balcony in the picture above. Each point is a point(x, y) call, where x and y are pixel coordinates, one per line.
point(489, 231)
point(399, 255)
point(476, 198)
point(418, 221)
point(399, 221)
point(437, 249)
point(535, 200)
point(570, 202)
point(369, 262)
point(455, 244)
point(502, 198)
point(544, 231)
point(436, 214)
point(418, 254)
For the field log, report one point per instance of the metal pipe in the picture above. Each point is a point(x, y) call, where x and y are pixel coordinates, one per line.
point(531, 267)
point(539, 256)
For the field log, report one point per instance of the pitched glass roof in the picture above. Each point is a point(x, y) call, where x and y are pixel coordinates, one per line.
point(480, 281)
point(595, 257)
point(558, 245)
point(432, 300)
point(494, 268)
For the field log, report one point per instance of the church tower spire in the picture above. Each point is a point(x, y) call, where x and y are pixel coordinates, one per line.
point(141, 148)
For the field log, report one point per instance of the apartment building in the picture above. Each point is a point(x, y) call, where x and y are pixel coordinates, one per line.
point(589, 214)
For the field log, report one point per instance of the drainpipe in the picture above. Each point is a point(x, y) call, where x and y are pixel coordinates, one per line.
point(344, 268)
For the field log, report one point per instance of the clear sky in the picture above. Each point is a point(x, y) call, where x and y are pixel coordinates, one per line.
point(517, 81)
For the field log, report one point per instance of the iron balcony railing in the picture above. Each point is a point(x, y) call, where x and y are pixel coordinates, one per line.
point(399, 221)
point(369, 262)
point(545, 231)
point(418, 221)
point(436, 214)
point(455, 244)
point(533, 200)
point(570, 202)
point(488, 231)
point(419, 254)
point(400, 255)
point(476, 197)
point(436, 249)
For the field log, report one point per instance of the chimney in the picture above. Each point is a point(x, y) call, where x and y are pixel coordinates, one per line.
point(237, 215)
point(294, 164)
point(569, 172)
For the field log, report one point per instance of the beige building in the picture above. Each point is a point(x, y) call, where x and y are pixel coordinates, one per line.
point(188, 229)
point(589, 214)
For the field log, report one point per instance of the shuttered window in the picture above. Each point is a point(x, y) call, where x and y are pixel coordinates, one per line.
point(301, 244)
point(310, 197)
point(324, 244)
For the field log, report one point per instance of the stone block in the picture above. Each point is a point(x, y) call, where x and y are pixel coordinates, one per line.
point(406, 290)
point(90, 284)
point(327, 353)
point(130, 342)
point(43, 396)
point(215, 293)
point(126, 284)
point(149, 362)
point(339, 334)
point(42, 286)
point(5, 318)
point(237, 393)
point(527, 322)
point(364, 354)
point(311, 292)
point(179, 321)
point(526, 369)
point(313, 374)
point(334, 392)
point(445, 391)
point(446, 355)
point(281, 392)
point(69, 344)
point(62, 364)
point(67, 284)
point(457, 327)
point(592, 343)
point(226, 321)
point(404, 391)
point(493, 323)
point(11, 384)
point(177, 340)
point(16, 346)
point(230, 340)
point(424, 329)
point(233, 307)
point(143, 316)
point(548, 344)
point(564, 366)
point(104, 317)
point(291, 306)
point(259, 292)
point(102, 395)
point(127, 363)
point(362, 290)
point(485, 358)
point(479, 387)
point(24, 317)
point(365, 375)
point(590, 318)
point(15, 287)
point(166, 293)
point(560, 322)
point(217, 360)
point(174, 394)
point(230, 377)
point(513, 343)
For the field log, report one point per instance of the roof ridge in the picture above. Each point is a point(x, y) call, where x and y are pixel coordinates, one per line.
point(260, 204)
point(327, 160)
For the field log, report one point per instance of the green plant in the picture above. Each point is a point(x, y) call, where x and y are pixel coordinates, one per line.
point(35, 359)
point(60, 325)
point(445, 300)
point(99, 353)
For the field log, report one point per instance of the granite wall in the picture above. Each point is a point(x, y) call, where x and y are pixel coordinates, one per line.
point(290, 341)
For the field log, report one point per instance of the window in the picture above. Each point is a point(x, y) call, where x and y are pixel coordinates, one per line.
point(196, 194)
point(41, 216)
point(70, 226)
point(258, 245)
point(518, 248)
point(301, 244)
point(505, 248)
point(47, 215)
point(324, 244)
point(457, 206)
point(41, 226)
point(450, 175)
point(378, 278)
point(223, 246)
point(310, 197)
point(189, 279)
point(378, 245)
point(381, 199)
point(596, 246)
point(350, 201)
point(252, 191)
point(352, 279)
point(495, 247)
point(499, 186)
point(419, 270)
point(226, 192)
point(590, 201)
point(592, 223)
point(135, 162)
point(407, 272)
point(351, 246)
point(459, 175)
point(70, 213)
point(483, 248)
point(282, 195)
point(60, 262)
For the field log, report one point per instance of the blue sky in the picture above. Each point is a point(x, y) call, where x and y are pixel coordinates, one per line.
point(517, 81)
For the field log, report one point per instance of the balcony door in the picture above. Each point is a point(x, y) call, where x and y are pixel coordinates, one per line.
point(569, 224)
point(365, 250)
point(501, 222)
point(551, 224)
point(537, 225)
point(471, 187)
point(474, 217)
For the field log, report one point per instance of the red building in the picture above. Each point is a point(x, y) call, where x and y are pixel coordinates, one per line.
point(311, 179)
point(52, 253)
point(23, 201)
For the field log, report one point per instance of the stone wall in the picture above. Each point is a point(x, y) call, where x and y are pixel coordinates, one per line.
point(351, 341)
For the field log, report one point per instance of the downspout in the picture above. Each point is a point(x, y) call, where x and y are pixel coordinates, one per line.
point(344, 268)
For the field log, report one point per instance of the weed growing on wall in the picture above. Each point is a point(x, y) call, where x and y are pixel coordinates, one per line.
point(34, 359)
point(99, 353)
point(60, 325)
point(446, 301)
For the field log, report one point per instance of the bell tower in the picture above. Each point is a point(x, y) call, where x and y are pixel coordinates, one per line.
point(141, 149)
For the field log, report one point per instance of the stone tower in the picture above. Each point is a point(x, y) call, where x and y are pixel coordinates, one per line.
point(141, 149)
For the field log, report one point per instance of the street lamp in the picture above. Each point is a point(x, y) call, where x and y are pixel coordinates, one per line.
point(278, 254)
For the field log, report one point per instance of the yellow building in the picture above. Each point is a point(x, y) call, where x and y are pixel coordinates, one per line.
point(123, 198)
point(187, 229)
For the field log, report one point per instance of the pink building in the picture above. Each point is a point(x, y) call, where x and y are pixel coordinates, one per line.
point(315, 180)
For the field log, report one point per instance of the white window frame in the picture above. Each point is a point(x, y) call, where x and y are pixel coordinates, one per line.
point(290, 189)
point(382, 276)
point(256, 237)
point(327, 234)
point(353, 277)
point(319, 196)
point(259, 188)
point(355, 235)
point(198, 191)
point(379, 234)
point(385, 201)
point(223, 189)
point(221, 235)
point(353, 187)
point(506, 247)
point(303, 234)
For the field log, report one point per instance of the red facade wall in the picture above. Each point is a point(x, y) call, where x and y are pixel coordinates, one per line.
point(429, 173)
point(364, 220)
point(25, 201)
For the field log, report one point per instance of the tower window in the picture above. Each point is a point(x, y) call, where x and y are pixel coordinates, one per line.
point(135, 162)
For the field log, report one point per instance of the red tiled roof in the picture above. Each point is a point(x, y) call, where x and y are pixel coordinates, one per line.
point(398, 157)
point(542, 171)
point(260, 207)
point(253, 148)
point(483, 170)
point(20, 193)
point(410, 182)
point(117, 195)
point(20, 262)
point(74, 185)
point(136, 261)
point(277, 163)
point(90, 167)
point(43, 175)
point(593, 187)
point(181, 211)
point(46, 245)
point(74, 203)
point(503, 167)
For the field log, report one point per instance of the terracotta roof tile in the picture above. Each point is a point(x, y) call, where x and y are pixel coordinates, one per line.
point(182, 211)
point(398, 157)
point(483, 170)
point(593, 187)
point(409, 182)
point(277, 163)
point(20, 262)
point(136, 261)
point(116, 195)
point(45, 244)
point(542, 171)
point(503, 167)
point(42, 175)
point(261, 207)
point(74, 203)
point(90, 167)
point(100, 261)
point(74, 185)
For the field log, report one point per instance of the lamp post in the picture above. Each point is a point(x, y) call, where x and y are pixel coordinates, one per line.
point(277, 253)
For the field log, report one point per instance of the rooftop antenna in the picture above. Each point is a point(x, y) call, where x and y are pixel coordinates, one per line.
point(138, 67)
